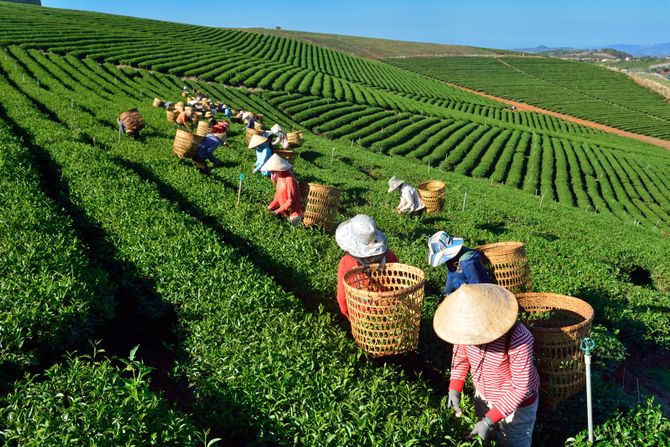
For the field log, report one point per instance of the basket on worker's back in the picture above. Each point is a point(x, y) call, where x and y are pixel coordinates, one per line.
point(133, 121)
point(288, 155)
point(385, 307)
point(251, 133)
point(558, 323)
point(432, 195)
point(179, 106)
point(203, 128)
point(507, 265)
point(295, 138)
point(185, 144)
point(258, 126)
point(172, 115)
point(157, 102)
point(320, 205)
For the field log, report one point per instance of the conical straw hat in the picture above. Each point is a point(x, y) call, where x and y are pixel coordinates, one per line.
point(257, 140)
point(475, 314)
point(276, 163)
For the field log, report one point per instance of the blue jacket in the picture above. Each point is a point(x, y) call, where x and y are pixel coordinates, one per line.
point(208, 146)
point(263, 153)
point(470, 270)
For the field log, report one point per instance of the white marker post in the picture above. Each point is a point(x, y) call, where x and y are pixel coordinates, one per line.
point(71, 104)
point(465, 196)
point(332, 155)
point(239, 189)
point(587, 345)
point(542, 200)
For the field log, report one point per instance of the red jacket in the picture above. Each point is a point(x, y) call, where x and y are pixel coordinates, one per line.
point(287, 196)
point(347, 263)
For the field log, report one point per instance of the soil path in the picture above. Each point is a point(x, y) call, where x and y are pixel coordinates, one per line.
point(528, 108)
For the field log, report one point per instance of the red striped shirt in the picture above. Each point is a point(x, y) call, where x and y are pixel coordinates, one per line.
point(506, 380)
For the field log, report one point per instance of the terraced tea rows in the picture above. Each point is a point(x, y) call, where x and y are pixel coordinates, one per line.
point(578, 89)
point(554, 166)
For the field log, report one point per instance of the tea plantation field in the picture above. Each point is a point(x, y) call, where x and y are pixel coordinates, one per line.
point(107, 243)
point(583, 90)
point(379, 106)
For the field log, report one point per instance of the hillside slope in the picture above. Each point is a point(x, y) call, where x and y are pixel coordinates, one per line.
point(374, 48)
point(254, 334)
point(579, 89)
point(387, 109)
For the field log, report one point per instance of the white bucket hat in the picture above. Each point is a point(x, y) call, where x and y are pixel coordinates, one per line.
point(442, 247)
point(360, 237)
point(257, 140)
point(476, 314)
point(276, 163)
point(394, 183)
point(276, 128)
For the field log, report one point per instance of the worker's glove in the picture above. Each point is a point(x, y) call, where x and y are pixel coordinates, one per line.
point(484, 429)
point(455, 401)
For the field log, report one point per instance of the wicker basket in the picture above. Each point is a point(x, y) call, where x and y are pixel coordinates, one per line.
point(179, 106)
point(203, 128)
point(172, 115)
point(133, 121)
point(507, 265)
point(185, 144)
point(562, 324)
point(157, 102)
point(258, 117)
point(251, 133)
point(288, 155)
point(321, 205)
point(295, 138)
point(385, 307)
point(432, 195)
point(258, 126)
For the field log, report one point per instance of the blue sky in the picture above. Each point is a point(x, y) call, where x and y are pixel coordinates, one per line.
point(487, 23)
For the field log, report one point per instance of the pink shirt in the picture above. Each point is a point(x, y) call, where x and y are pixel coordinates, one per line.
point(287, 196)
point(506, 380)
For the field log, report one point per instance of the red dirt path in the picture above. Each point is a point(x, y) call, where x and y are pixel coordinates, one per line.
point(528, 108)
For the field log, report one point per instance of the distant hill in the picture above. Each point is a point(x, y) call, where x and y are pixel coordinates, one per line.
point(541, 49)
point(655, 50)
point(373, 48)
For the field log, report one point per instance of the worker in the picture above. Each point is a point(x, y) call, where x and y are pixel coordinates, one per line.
point(410, 202)
point(227, 112)
point(209, 144)
point(263, 152)
point(464, 265)
point(480, 320)
point(131, 122)
point(248, 117)
point(364, 245)
point(185, 118)
point(286, 202)
point(184, 91)
point(280, 136)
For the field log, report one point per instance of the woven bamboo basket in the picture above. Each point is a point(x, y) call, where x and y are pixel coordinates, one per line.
point(179, 106)
point(385, 307)
point(157, 102)
point(132, 121)
point(321, 204)
point(288, 155)
point(197, 116)
point(507, 265)
point(258, 117)
point(295, 138)
point(558, 324)
point(172, 115)
point(251, 133)
point(432, 195)
point(258, 126)
point(203, 128)
point(185, 144)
